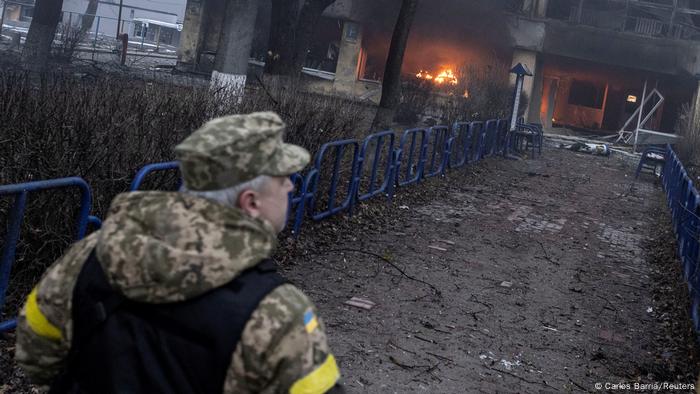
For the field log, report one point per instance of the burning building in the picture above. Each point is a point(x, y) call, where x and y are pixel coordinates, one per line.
point(590, 58)
point(353, 37)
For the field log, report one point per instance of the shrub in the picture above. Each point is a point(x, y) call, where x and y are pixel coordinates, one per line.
point(482, 92)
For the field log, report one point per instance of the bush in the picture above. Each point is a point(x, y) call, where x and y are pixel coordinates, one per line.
point(416, 96)
point(482, 92)
point(68, 39)
point(104, 128)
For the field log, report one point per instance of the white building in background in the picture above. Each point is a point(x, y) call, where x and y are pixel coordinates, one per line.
point(156, 22)
point(152, 21)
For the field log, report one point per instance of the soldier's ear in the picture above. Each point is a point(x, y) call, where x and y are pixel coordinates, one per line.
point(248, 203)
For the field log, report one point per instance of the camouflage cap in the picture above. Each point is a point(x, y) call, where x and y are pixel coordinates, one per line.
point(230, 150)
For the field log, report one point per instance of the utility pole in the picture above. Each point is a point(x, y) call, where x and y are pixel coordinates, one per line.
point(119, 19)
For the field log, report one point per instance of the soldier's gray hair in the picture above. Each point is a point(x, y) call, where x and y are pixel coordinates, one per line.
point(229, 196)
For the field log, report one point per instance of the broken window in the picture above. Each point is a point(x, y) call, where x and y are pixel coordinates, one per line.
point(560, 9)
point(586, 94)
point(325, 47)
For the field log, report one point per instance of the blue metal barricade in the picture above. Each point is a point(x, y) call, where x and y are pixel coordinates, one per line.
point(490, 135)
point(333, 207)
point(376, 148)
point(16, 216)
point(529, 135)
point(149, 169)
point(304, 196)
point(652, 157)
point(501, 136)
point(688, 246)
point(684, 203)
point(411, 160)
point(438, 151)
point(478, 135)
point(462, 133)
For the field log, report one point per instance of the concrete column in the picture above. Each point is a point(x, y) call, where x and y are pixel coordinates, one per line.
point(527, 7)
point(535, 8)
point(191, 35)
point(532, 86)
point(346, 72)
point(541, 10)
point(235, 44)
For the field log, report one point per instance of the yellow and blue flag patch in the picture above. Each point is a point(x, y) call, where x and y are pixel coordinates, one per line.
point(310, 321)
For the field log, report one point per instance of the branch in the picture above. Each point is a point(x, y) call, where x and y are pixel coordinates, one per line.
point(546, 255)
point(437, 292)
point(267, 92)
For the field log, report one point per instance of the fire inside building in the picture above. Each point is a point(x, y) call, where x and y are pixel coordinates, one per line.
point(594, 61)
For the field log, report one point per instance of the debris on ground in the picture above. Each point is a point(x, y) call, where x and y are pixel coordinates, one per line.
point(584, 147)
point(362, 303)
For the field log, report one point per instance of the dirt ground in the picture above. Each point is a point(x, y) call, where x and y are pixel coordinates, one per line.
point(547, 275)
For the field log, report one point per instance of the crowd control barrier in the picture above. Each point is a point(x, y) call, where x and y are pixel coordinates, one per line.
point(21, 192)
point(684, 202)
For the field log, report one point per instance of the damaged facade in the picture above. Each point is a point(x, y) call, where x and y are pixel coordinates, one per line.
point(334, 63)
point(591, 58)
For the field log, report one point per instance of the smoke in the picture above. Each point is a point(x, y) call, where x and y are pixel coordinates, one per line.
point(445, 33)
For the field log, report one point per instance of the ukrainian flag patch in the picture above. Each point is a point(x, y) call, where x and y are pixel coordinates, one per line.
point(310, 321)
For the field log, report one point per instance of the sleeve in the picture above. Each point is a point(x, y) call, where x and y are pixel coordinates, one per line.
point(283, 349)
point(44, 326)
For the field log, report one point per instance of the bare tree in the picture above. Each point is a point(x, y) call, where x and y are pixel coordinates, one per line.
point(291, 31)
point(37, 48)
point(391, 86)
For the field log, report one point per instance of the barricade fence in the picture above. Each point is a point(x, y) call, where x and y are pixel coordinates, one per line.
point(684, 202)
point(343, 174)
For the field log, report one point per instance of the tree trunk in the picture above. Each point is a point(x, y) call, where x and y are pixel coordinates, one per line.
point(235, 44)
point(391, 86)
point(290, 37)
point(42, 30)
point(88, 17)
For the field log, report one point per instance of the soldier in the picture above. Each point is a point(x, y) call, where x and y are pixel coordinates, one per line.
point(177, 292)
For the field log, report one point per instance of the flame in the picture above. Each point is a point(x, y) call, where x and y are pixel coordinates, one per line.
point(445, 76)
point(424, 75)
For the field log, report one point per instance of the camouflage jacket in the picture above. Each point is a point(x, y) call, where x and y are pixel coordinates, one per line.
point(161, 247)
